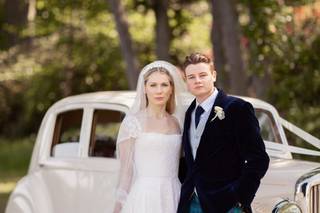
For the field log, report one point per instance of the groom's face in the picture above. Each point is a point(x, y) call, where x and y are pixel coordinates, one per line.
point(200, 79)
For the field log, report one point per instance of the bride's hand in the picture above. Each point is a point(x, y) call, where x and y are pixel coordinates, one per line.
point(117, 208)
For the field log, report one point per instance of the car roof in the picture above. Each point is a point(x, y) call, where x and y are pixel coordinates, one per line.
point(118, 97)
point(126, 98)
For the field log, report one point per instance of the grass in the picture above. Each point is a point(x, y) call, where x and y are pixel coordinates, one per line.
point(15, 156)
point(3, 200)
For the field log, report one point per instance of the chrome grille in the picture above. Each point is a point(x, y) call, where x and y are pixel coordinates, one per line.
point(315, 199)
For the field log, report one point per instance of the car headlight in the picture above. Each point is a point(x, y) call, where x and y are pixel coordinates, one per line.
point(286, 206)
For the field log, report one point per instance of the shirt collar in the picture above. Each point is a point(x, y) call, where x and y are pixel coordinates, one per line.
point(208, 103)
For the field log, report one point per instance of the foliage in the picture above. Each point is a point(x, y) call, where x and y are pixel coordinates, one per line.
point(15, 156)
point(286, 48)
point(74, 48)
point(189, 23)
point(301, 91)
point(75, 57)
point(191, 30)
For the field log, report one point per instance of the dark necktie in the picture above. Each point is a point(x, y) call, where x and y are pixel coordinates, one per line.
point(199, 111)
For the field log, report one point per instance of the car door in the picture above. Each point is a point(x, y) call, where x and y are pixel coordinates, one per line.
point(78, 167)
point(59, 158)
point(101, 168)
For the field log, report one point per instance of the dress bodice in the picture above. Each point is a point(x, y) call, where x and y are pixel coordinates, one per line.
point(149, 153)
point(157, 155)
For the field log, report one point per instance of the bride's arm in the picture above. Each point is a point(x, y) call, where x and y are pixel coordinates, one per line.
point(128, 133)
point(125, 149)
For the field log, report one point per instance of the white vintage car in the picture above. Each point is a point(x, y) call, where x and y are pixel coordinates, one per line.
point(74, 169)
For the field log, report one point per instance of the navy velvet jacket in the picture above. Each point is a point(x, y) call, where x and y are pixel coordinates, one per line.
point(230, 160)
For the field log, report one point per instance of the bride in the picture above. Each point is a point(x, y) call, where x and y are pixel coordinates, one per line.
point(149, 144)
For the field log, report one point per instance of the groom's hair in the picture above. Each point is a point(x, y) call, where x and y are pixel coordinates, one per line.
point(196, 58)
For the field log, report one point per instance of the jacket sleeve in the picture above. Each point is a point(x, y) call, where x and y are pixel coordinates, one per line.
point(253, 155)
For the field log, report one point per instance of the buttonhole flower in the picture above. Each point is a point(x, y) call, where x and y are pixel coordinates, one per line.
point(219, 113)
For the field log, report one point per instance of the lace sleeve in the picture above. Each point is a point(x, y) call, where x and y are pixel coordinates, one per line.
point(128, 132)
point(129, 128)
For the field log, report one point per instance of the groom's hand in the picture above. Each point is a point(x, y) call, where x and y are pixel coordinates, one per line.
point(245, 209)
point(238, 208)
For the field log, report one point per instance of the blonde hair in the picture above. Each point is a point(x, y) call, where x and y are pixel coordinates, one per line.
point(171, 103)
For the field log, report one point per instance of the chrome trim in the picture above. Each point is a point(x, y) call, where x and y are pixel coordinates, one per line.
point(314, 199)
point(286, 206)
point(307, 191)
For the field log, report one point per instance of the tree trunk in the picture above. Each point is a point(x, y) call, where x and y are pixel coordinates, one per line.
point(15, 18)
point(67, 85)
point(231, 45)
point(259, 85)
point(32, 11)
point(31, 16)
point(218, 55)
point(162, 29)
point(125, 42)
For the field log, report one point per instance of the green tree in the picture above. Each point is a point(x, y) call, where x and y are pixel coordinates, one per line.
point(283, 58)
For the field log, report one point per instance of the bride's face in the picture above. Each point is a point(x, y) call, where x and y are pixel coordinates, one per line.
point(158, 89)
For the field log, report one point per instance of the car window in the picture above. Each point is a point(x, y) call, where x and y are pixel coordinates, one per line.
point(268, 128)
point(66, 135)
point(105, 127)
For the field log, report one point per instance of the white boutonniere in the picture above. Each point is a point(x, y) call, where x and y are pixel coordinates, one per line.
point(219, 113)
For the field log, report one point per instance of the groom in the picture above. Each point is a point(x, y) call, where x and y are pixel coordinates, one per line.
point(224, 152)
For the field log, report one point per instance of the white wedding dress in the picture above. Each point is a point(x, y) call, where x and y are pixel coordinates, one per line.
point(149, 176)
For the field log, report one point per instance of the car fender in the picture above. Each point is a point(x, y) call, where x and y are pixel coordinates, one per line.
point(30, 195)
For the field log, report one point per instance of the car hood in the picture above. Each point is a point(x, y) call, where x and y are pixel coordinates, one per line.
point(279, 182)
